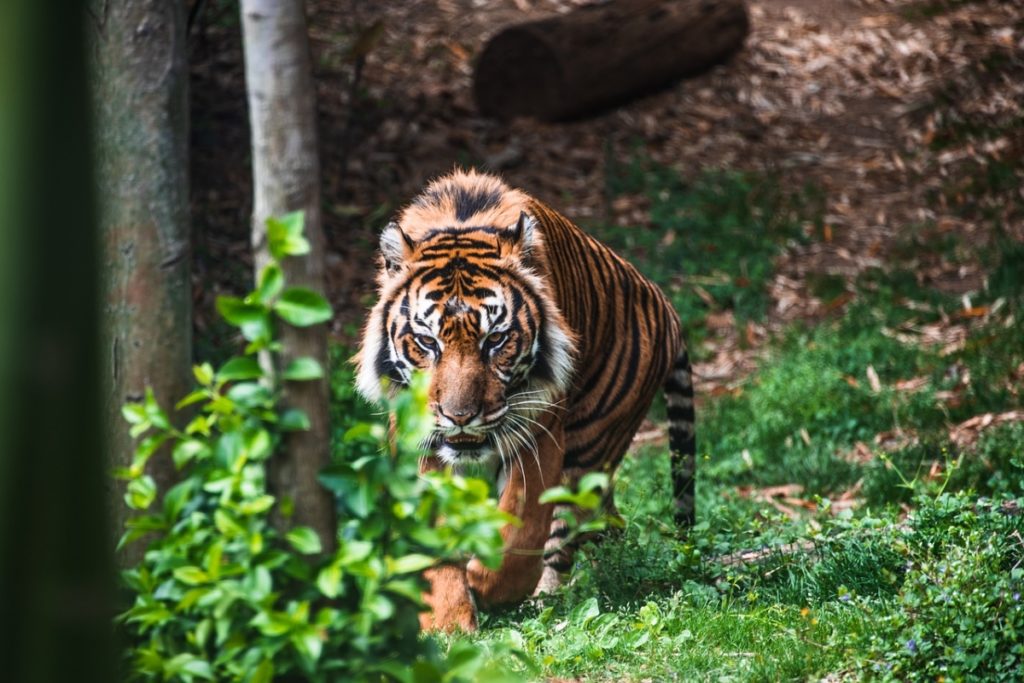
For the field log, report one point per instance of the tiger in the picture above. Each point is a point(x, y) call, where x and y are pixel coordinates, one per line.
point(545, 351)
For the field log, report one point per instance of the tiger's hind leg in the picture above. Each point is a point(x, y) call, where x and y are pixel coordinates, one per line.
point(558, 553)
point(561, 546)
point(682, 439)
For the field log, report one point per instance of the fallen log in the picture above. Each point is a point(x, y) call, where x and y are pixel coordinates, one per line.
point(602, 55)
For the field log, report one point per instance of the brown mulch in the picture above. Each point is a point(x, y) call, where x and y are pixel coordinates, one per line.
point(846, 95)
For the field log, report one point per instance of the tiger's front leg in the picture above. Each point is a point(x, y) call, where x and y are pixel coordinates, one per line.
point(448, 599)
point(448, 596)
point(523, 561)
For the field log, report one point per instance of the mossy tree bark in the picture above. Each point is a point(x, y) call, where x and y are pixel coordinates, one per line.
point(140, 96)
point(286, 178)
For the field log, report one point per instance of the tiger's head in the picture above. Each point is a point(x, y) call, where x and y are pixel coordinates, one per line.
point(460, 298)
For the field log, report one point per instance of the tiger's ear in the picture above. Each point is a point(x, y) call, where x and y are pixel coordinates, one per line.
point(395, 246)
point(522, 235)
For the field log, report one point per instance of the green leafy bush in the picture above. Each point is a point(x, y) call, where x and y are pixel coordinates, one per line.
point(221, 594)
point(959, 613)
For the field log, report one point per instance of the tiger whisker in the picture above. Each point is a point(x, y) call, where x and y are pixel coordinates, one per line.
point(535, 405)
point(532, 409)
point(538, 424)
point(525, 436)
point(504, 439)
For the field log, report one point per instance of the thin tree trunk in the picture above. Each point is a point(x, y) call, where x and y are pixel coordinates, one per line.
point(286, 177)
point(141, 121)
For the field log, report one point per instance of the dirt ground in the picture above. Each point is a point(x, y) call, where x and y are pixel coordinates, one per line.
point(847, 95)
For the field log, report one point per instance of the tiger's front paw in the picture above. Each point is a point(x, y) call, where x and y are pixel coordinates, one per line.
point(451, 604)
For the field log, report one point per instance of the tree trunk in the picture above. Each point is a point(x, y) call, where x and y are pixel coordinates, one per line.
point(602, 55)
point(141, 121)
point(286, 177)
point(57, 587)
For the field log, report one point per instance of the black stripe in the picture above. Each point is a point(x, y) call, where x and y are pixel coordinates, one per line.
point(681, 414)
point(469, 202)
point(674, 386)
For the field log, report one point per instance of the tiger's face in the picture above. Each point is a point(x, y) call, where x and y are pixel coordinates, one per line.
point(465, 305)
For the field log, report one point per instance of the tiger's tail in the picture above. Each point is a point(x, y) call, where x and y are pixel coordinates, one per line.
point(682, 438)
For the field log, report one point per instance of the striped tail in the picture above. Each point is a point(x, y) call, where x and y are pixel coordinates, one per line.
point(682, 440)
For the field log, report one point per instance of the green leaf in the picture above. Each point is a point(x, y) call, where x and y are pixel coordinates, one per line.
point(237, 312)
point(302, 369)
point(407, 588)
point(308, 642)
point(294, 420)
point(203, 373)
point(155, 414)
point(191, 575)
point(249, 394)
point(141, 493)
point(227, 525)
point(592, 481)
point(556, 494)
point(304, 539)
point(302, 307)
point(264, 673)
point(252, 319)
point(124, 473)
point(147, 447)
point(410, 563)
point(150, 613)
point(188, 450)
point(256, 505)
point(329, 580)
point(272, 623)
point(134, 413)
point(240, 367)
point(139, 429)
point(193, 397)
point(213, 560)
point(284, 235)
point(200, 424)
point(176, 498)
point(271, 283)
point(202, 632)
point(379, 606)
point(186, 665)
point(140, 526)
point(354, 551)
point(259, 444)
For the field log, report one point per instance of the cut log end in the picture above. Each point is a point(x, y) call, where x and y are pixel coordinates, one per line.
point(518, 75)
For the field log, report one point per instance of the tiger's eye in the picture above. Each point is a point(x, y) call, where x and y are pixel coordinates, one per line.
point(426, 342)
point(495, 339)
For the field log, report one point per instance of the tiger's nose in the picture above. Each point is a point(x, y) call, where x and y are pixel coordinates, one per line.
point(461, 415)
